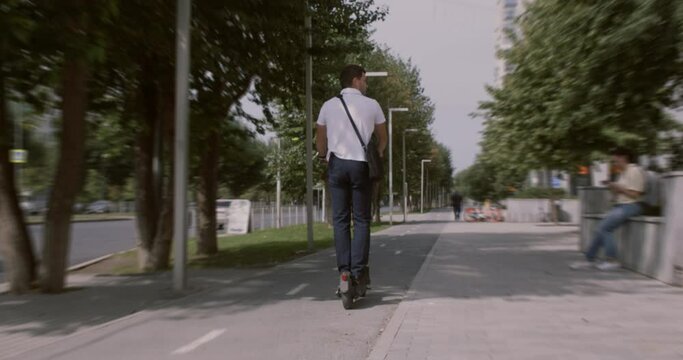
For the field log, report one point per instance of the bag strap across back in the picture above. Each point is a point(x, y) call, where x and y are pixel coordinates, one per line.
point(362, 143)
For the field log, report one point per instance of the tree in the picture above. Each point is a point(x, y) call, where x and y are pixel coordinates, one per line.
point(483, 181)
point(255, 43)
point(79, 46)
point(587, 76)
point(15, 243)
point(55, 54)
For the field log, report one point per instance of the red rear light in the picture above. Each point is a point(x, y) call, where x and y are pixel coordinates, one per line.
point(345, 277)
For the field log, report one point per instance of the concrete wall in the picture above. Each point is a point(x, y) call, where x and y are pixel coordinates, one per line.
point(640, 244)
point(673, 227)
point(652, 246)
point(538, 210)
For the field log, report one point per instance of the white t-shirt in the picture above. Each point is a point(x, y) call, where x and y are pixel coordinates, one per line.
point(341, 138)
point(633, 178)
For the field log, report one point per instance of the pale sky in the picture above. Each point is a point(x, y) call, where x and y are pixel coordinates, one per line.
point(452, 44)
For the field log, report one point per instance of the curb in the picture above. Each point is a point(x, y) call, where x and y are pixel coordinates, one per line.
point(89, 262)
point(85, 264)
point(380, 351)
point(4, 287)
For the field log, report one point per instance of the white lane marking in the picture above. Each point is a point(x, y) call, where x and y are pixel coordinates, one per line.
point(398, 252)
point(297, 289)
point(382, 245)
point(199, 342)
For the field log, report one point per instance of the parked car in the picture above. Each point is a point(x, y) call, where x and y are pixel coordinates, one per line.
point(79, 208)
point(33, 207)
point(99, 207)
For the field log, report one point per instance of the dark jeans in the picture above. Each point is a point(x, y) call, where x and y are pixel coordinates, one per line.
point(457, 209)
point(603, 235)
point(351, 189)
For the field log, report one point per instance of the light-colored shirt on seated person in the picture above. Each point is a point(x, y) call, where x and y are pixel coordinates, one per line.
point(341, 138)
point(633, 178)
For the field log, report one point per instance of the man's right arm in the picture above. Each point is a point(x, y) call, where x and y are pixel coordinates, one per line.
point(321, 141)
point(321, 134)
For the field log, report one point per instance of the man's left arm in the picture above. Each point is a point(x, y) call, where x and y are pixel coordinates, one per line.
point(380, 129)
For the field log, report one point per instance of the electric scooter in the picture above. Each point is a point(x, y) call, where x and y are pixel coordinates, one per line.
point(351, 289)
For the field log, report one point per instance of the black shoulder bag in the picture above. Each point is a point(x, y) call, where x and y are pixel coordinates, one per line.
point(371, 153)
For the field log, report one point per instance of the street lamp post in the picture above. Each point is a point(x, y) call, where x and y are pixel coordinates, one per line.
point(427, 194)
point(422, 184)
point(278, 187)
point(184, 17)
point(405, 181)
point(391, 165)
point(309, 129)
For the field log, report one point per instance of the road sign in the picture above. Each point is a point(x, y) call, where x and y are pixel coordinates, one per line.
point(18, 156)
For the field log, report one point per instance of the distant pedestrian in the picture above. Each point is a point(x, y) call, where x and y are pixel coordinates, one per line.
point(628, 190)
point(345, 125)
point(456, 202)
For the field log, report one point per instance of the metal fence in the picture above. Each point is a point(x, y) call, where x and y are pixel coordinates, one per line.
point(264, 215)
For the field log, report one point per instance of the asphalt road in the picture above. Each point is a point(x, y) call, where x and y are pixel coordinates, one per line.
point(90, 240)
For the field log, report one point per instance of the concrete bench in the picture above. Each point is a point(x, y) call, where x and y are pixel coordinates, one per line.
point(640, 242)
point(652, 246)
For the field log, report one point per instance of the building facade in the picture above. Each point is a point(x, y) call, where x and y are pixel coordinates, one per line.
point(508, 11)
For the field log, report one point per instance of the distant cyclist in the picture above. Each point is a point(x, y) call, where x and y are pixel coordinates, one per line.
point(456, 201)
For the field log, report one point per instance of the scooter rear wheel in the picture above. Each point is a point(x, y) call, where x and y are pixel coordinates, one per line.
point(347, 300)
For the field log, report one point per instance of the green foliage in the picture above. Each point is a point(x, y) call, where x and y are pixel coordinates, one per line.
point(485, 180)
point(263, 248)
point(242, 172)
point(587, 76)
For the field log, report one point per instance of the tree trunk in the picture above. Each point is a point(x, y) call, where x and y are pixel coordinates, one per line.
point(154, 196)
point(207, 191)
point(161, 253)
point(69, 176)
point(147, 198)
point(15, 244)
point(164, 238)
point(207, 187)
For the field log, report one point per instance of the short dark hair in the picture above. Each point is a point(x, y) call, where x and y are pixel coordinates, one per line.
point(349, 73)
point(624, 152)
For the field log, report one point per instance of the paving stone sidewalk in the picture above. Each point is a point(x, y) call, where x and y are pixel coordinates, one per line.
point(504, 291)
